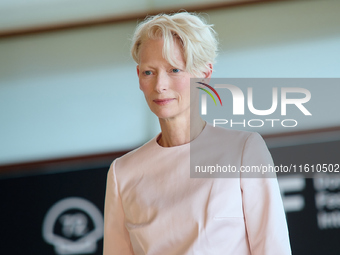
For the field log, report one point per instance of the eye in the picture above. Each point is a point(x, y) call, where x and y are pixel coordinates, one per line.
point(175, 70)
point(147, 72)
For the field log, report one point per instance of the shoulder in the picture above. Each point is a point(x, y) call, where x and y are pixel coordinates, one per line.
point(249, 146)
point(248, 149)
point(233, 138)
point(133, 158)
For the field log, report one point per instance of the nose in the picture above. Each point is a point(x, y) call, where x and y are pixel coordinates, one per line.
point(162, 82)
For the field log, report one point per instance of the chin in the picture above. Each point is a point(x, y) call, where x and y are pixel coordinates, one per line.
point(164, 114)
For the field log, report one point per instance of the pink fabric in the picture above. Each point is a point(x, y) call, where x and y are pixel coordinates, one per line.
point(153, 207)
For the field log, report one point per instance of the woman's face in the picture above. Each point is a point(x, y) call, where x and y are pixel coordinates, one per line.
point(166, 88)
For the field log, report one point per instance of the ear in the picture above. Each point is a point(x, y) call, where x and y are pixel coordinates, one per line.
point(138, 70)
point(207, 74)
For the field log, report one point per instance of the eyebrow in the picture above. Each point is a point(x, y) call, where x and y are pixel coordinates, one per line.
point(151, 66)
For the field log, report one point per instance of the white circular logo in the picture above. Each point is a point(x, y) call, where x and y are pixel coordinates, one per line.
point(77, 234)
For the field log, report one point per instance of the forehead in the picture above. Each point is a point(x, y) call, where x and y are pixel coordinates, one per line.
point(152, 50)
point(149, 44)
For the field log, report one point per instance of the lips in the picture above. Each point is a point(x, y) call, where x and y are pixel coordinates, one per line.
point(164, 101)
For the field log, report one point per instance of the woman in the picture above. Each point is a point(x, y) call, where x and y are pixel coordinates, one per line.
point(152, 206)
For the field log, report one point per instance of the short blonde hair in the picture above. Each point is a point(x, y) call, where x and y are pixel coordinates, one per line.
point(197, 38)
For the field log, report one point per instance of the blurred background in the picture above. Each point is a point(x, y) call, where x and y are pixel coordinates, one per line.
point(70, 104)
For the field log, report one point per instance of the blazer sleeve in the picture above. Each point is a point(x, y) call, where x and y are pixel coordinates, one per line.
point(116, 236)
point(262, 204)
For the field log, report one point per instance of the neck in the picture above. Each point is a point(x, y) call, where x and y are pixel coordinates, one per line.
point(179, 131)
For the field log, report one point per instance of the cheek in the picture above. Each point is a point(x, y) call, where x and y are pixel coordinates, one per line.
point(183, 87)
point(143, 86)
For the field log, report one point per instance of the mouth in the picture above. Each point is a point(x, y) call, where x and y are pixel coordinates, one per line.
point(164, 101)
